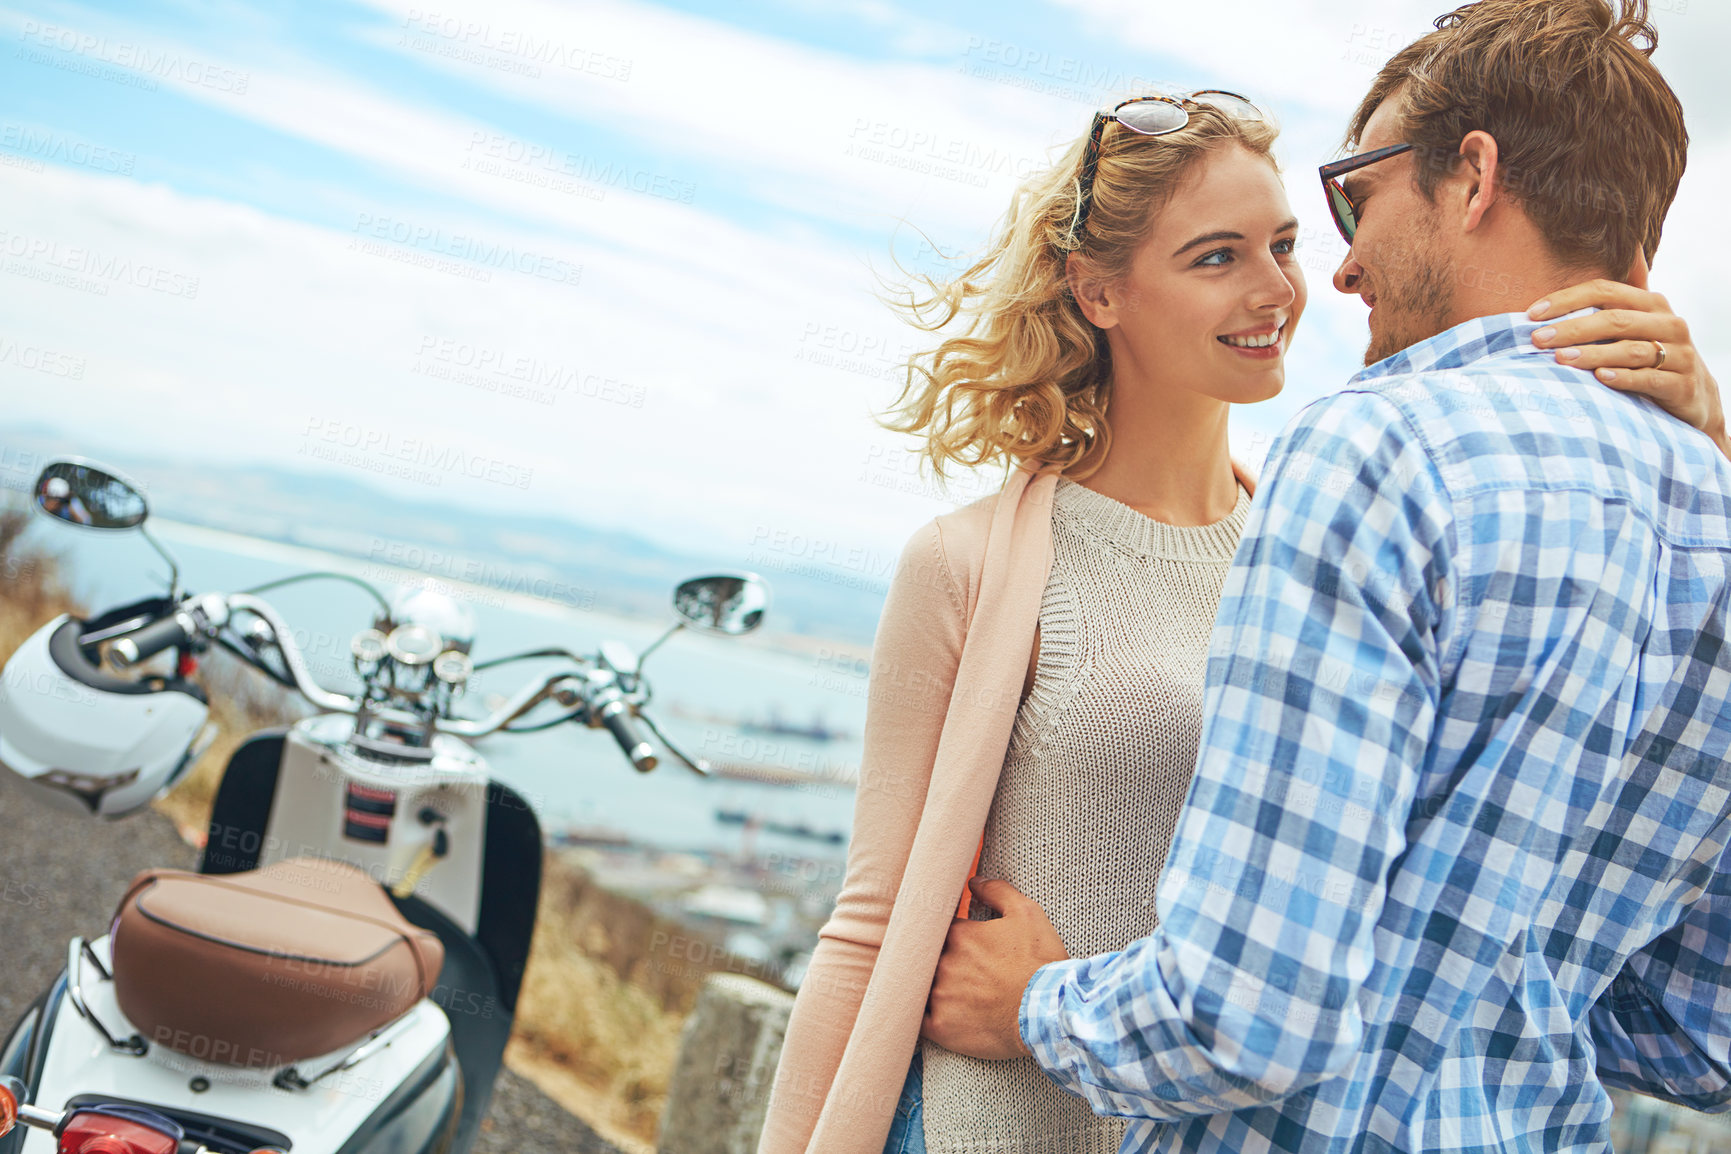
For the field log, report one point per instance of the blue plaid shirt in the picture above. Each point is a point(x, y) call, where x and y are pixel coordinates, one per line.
point(1452, 860)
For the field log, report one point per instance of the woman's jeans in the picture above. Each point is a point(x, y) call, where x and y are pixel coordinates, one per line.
point(908, 1131)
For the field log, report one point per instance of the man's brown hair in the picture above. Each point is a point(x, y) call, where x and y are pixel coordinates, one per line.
point(1590, 138)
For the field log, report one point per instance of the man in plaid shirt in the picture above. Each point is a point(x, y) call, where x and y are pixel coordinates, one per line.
point(1454, 858)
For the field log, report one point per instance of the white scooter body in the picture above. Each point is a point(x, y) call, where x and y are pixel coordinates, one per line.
point(421, 1084)
point(332, 803)
point(320, 1119)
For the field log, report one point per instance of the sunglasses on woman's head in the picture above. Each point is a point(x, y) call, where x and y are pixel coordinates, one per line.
point(1340, 204)
point(1150, 116)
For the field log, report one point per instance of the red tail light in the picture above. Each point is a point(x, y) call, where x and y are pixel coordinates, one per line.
point(92, 1132)
point(8, 1108)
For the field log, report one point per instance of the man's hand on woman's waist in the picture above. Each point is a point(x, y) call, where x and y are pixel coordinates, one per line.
point(976, 997)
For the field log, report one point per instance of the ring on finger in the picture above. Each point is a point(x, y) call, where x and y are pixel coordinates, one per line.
point(1660, 363)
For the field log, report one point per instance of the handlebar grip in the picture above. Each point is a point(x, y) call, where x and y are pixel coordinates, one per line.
point(149, 641)
point(616, 716)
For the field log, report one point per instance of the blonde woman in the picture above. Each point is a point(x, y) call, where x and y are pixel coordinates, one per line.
point(1037, 675)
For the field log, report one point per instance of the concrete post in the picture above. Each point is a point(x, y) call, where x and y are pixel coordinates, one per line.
point(727, 1056)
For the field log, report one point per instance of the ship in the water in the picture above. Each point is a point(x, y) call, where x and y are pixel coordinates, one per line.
point(754, 821)
point(774, 725)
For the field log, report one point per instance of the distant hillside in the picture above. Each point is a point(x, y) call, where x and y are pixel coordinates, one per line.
point(563, 561)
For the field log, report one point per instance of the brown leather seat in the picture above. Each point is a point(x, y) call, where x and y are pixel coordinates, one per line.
point(269, 967)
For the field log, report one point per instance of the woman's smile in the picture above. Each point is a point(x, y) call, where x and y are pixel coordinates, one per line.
point(1264, 343)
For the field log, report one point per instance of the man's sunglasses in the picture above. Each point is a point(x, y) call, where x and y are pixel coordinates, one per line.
point(1344, 208)
point(1150, 116)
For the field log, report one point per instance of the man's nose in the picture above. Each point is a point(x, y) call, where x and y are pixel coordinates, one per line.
point(1347, 276)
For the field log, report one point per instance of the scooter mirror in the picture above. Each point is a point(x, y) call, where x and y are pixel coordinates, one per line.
point(85, 495)
point(727, 603)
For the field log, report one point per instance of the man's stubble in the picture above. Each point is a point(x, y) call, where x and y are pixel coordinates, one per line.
point(1414, 290)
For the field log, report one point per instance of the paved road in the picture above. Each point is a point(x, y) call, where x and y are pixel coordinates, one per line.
point(61, 874)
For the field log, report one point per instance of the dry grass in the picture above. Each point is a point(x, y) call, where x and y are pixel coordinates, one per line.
point(35, 593)
point(576, 1012)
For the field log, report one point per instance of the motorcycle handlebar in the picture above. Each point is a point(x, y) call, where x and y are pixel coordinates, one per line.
point(147, 642)
point(291, 654)
point(614, 713)
point(339, 703)
point(616, 716)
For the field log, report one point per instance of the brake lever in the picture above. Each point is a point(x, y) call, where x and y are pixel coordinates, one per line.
point(700, 767)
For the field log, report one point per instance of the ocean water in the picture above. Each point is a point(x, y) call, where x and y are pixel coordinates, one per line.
point(574, 777)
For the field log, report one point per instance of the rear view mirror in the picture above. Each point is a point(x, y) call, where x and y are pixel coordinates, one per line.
point(726, 603)
point(89, 496)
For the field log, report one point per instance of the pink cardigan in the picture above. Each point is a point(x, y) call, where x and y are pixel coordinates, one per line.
point(948, 661)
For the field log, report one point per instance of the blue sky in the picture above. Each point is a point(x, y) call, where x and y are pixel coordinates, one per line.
point(613, 259)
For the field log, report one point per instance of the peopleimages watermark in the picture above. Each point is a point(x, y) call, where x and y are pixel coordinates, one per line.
point(20, 893)
point(495, 154)
point(40, 145)
point(745, 752)
point(506, 48)
point(931, 153)
point(40, 359)
point(55, 279)
point(89, 269)
point(88, 53)
point(470, 256)
point(1370, 45)
point(478, 571)
point(851, 351)
point(534, 178)
point(518, 375)
point(1043, 71)
point(27, 683)
point(909, 471)
point(20, 467)
point(928, 259)
point(854, 567)
point(412, 458)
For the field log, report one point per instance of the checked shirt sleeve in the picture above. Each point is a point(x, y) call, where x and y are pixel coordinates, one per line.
point(1322, 690)
point(1663, 1026)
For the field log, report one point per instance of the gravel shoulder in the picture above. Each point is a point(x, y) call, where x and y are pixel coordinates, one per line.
point(61, 875)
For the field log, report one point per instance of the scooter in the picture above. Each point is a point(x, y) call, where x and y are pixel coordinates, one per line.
point(341, 974)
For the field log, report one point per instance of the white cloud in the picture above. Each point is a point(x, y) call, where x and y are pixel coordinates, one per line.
point(293, 329)
point(753, 342)
point(1321, 55)
point(788, 122)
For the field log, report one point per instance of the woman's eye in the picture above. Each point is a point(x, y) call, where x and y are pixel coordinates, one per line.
point(1209, 261)
point(1286, 247)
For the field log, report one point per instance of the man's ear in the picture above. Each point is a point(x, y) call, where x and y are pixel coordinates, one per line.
point(1479, 151)
point(1090, 291)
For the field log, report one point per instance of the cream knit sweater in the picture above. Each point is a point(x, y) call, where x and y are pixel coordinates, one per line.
point(1098, 767)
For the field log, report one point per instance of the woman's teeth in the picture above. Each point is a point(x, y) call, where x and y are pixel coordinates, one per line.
point(1260, 342)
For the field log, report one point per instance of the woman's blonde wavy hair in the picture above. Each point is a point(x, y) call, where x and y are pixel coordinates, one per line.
point(1029, 378)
